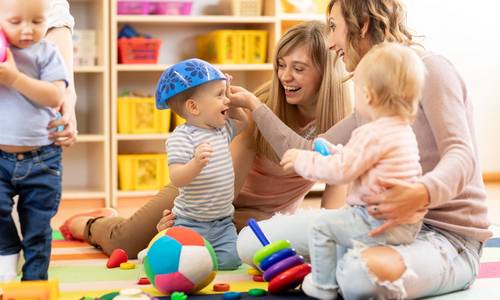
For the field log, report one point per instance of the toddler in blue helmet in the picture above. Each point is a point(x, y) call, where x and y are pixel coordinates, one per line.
point(199, 160)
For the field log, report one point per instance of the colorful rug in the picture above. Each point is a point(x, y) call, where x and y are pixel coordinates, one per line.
point(81, 271)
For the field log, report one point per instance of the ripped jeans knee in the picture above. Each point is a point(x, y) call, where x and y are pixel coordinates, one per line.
point(356, 281)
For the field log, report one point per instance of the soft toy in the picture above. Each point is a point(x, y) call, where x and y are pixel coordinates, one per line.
point(180, 260)
point(4, 44)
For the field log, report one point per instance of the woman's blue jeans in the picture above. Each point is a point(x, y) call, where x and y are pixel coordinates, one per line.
point(437, 262)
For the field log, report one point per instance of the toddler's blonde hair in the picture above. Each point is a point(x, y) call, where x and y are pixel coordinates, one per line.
point(394, 74)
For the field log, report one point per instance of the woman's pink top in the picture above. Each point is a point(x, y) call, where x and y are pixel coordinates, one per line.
point(270, 189)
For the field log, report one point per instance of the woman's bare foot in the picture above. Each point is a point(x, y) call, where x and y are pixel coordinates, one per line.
point(77, 227)
point(74, 227)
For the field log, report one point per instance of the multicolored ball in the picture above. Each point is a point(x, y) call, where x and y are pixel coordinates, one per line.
point(180, 260)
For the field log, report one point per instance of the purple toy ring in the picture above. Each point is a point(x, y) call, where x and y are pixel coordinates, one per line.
point(282, 266)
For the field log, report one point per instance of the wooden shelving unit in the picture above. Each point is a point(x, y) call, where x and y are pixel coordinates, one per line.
point(90, 166)
point(87, 163)
point(177, 34)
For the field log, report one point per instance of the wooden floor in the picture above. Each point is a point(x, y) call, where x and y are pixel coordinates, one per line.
point(127, 208)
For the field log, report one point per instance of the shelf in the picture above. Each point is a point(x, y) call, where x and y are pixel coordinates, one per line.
point(89, 69)
point(85, 138)
point(82, 193)
point(179, 32)
point(157, 19)
point(142, 137)
point(131, 194)
point(301, 17)
point(162, 67)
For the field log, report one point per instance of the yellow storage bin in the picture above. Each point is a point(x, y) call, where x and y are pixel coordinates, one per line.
point(138, 115)
point(257, 46)
point(178, 120)
point(233, 46)
point(142, 171)
point(218, 47)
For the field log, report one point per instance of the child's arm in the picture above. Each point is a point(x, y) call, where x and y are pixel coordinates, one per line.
point(240, 119)
point(41, 92)
point(183, 174)
point(235, 112)
point(344, 166)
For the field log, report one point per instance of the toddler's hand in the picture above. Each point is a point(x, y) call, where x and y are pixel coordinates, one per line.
point(166, 221)
point(203, 153)
point(8, 70)
point(289, 158)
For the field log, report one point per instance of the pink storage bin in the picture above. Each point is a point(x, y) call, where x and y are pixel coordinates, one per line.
point(137, 7)
point(172, 7)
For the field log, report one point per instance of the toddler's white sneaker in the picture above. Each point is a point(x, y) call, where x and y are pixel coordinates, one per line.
point(313, 290)
point(8, 267)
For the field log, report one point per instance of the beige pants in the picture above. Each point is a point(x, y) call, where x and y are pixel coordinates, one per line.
point(133, 234)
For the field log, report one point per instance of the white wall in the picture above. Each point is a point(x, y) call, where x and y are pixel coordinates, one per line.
point(468, 34)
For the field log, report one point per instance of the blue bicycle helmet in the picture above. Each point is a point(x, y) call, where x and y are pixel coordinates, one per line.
point(182, 76)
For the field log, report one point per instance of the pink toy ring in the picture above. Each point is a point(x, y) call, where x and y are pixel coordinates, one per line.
point(282, 266)
point(289, 279)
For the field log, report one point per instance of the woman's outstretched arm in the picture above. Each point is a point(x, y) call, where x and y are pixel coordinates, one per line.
point(278, 134)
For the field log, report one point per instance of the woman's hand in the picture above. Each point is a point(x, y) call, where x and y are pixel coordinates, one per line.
point(68, 136)
point(289, 159)
point(166, 221)
point(399, 201)
point(240, 97)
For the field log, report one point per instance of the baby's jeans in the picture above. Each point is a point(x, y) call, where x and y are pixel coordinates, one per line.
point(335, 231)
point(35, 176)
point(222, 236)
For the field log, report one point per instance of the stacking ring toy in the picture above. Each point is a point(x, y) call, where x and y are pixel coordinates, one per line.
point(289, 279)
point(282, 267)
point(269, 250)
point(276, 257)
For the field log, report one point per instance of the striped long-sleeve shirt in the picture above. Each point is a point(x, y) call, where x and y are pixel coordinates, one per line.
point(385, 148)
point(210, 194)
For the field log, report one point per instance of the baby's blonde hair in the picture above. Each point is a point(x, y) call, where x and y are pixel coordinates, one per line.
point(394, 74)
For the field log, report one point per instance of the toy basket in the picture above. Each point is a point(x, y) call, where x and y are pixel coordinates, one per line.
point(142, 171)
point(133, 7)
point(172, 7)
point(247, 7)
point(138, 115)
point(158, 7)
point(233, 46)
point(138, 50)
point(218, 47)
point(256, 46)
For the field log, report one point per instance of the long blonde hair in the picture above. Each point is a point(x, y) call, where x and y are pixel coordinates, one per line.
point(334, 99)
point(386, 23)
